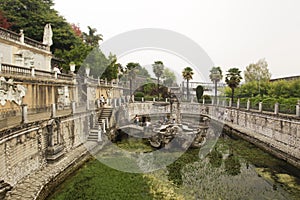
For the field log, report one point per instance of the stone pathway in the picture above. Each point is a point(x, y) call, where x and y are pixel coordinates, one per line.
point(32, 186)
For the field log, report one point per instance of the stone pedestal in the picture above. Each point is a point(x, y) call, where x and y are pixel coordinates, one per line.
point(53, 110)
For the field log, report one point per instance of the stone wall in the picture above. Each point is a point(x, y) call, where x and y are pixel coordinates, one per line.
point(281, 132)
point(27, 149)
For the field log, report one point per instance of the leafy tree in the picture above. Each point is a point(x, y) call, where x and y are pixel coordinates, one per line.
point(33, 15)
point(199, 92)
point(257, 72)
point(169, 77)
point(233, 79)
point(111, 71)
point(4, 22)
point(187, 74)
point(216, 76)
point(158, 70)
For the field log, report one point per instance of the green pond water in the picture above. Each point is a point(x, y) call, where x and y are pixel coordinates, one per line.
point(235, 169)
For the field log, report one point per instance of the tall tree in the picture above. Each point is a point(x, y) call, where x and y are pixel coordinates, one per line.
point(233, 79)
point(258, 73)
point(158, 70)
point(187, 75)
point(216, 76)
point(169, 77)
point(132, 70)
point(91, 38)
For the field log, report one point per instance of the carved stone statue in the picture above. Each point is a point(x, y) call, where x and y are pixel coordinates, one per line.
point(47, 39)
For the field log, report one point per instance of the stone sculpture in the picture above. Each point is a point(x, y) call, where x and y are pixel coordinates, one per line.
point(11, 92)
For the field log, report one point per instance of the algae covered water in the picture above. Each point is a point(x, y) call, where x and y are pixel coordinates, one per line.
point(235, 169)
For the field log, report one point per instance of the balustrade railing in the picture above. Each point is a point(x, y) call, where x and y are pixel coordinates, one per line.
point(10, 35)
point(15, 70)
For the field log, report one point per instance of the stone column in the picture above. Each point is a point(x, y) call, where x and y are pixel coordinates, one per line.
point(276, 108)
point(248, 104)
point(132, 98)
point(99, 135)
point(142, 99)
point(24, 113)
point(260, 107)
point(166, 100)
point(230, 102)
point(298, 109)
point(87, 105)
point(73, 106)
point(203, 101)
point(154, 99)
point(115, 103)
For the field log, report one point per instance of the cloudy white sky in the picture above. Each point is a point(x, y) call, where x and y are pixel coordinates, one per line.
point(233, 33)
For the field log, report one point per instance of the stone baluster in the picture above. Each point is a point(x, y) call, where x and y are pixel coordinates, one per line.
point(260, 107)
point(276, 109)
point(24, 113)
point(203, 101)
point(142, 99)
point(298, 109)
point(248, 104)
point(53, 110)
point(154, 99)
point(107, 123)
point(230, 103)
point(238, 104)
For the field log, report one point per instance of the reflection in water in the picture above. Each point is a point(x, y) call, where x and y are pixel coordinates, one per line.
point(233, 171)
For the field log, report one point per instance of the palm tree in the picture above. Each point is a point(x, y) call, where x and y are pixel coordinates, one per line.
point(158, 70)
point(92, 39)
point(187, 74)
point(215, 76)
point(233, 79)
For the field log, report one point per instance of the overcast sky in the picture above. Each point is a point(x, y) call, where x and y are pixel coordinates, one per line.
point(234, 33)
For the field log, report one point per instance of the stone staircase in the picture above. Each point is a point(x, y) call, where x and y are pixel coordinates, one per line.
point(94, 132)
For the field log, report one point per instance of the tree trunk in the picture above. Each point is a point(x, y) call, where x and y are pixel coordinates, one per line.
point(187, 90)
point(158, 88)
point(216, 91)
point(232, 94)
